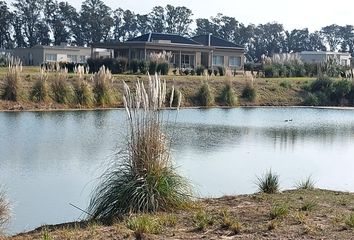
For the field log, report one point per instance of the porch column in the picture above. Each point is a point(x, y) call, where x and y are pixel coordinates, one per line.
point(91, 52)
point(180, 59)
point(145, 54)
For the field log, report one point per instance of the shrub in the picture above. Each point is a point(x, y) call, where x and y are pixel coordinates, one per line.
point(83, 94)
point(192, 72)
point(61, 90)
point(134, 66)
point(285, 84)
point(349, 222)
point(143, 67)
point(4, 211)
point(101, 88)
point(279, 211)
point(228, 95)
point(200, 70)
point(174, 71)
point(221, 71)
point(308, 206)
point(322, 84)
point(12, 84)
point(40, 89)
point(143, 224)
point(142, 179)
point(162, 68)
point(186, 71)
point(205, 96)
point(249, 93)
point(268, 183)
point(202, 220)
point(307, 184)
point(341, 90)
point(175, 98)
point(215, 72)
point(210, 72)
point(115, 65)
point(152, 67)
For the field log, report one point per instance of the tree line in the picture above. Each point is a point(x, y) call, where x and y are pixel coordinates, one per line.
point(47, 22)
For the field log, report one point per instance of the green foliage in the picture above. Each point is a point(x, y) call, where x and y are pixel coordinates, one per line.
point(192, 72)
point(115, 65)
point(61, 90)
point(210, 72)
point(307, 184)
point(205, 96)
point(221, 71)
point(202, 220)
point(143, 224)
point(200, 70)
point(228, 96)
point(40, 90)
point(162, 68)
point(279, 211)
point(215, 72)
point(308, 206)
point(349, 221)
point(143, 67)
point(230, 223)
point(286, 84)
point(152, 67)
point(83, 94)
point(268, 183)
point(12, 84)
point(134, 66)
point(249, 93)
point(341, 89)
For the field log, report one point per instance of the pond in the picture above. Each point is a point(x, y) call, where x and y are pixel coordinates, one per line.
point(49, 160)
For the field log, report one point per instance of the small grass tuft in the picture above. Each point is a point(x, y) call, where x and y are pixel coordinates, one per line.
point(228, 96)
point(230, 223)
point(202, 220)
point(307, 184)
point(308, 206)
point(268, 183)
point(279, 211)
point(349, 221)
point(143, 224)
point(205, 96)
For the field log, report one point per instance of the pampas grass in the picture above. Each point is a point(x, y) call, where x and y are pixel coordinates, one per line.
point(4, 211)
point(83, 94)
point(101, 90)
point(143, 178)
point(228, 96)
point(205, 96)
point(40, 89)
point(12, 84)
point(61, 90)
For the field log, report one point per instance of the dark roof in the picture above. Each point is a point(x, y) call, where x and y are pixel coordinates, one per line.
point(151, 37)
point(214, 41)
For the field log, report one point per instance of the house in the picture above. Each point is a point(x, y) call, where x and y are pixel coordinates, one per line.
point(204, 50)
point(40, 54)
point(323, 56)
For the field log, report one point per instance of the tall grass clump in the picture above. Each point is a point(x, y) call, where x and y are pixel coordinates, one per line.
point(228, 96)
point(308, 184)
point(4, 211)
point(12, 83)
point(268, 183)
point(82, 91)
point(205, 95)
point(40, 89)
point(143, 178)
point(101, 86)
point(61, 90)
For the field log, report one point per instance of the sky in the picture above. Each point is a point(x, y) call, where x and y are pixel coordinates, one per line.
point(313, 14)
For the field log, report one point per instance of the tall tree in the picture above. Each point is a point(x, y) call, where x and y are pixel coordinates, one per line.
point(157, 19)
point(29, 11)
point(178, 20)
point(298, 40)
point(143, 23)
point(332, 35)
point(18, 31)
point(347, 35)
point(5, 23)
point(205, 26)
point(96, 21)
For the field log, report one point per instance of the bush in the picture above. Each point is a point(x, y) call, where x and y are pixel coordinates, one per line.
point(152, 67)
point(61, 90)
point(228, 96)
point(162, 68)
point(341, 90)
point(249, 93)
point(40, 89)
point(101, 88)
point(268, 183)
point(311, 100)
point(134, 66)
point(322, 84)
point(175, 98)
point(192, 72)
point(307, 184)
point(143, 67)
point(215, 72)
point(210, 72)
point(83, 94)
point(11, 87)
point(115, 65)
point(143, 178)
point(186, 71)
point(205, 96)
point(200, 70)
point(221, 71)
point(285, 84)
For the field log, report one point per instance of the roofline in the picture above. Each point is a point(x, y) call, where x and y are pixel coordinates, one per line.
point(211, 35)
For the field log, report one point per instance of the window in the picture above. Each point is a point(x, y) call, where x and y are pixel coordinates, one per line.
point(50, 57)
point(218, 60)
point(72, 58)
point(82, 59)
point(187, 61)
point(234, 61)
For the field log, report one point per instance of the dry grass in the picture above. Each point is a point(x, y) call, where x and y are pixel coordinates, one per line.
point(12, 83)
point(4, 211)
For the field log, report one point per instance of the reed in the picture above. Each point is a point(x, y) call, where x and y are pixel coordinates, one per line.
point(12, 83)
point(61, 90)
point(40, 89)
point(4, 211)
point(101, 88)
point(143, 178)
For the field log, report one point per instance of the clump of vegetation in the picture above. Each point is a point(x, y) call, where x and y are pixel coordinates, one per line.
point(143, 67)
point(228, 96)
point(175, 97)
point(134, 66)
point(307, 184)
point(268, 183)
point(221, 71)
point(101, 88)
point(142, 179)
point(230, 223)
point(249, 92)
point(12, 84)
point(143, 224)
point(200, 70)
point(285, 84)
point(308, 206)
point(4, 211)
point(61, 90)
point(349, 222)
point(205, 96)
point(83, 94)
point(163, 68)
point(40, 89)
point(202, 220)
point(152, 67)
point(279, 211)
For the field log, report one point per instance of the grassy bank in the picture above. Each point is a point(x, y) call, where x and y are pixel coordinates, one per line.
point(268, 92)
point(295, 214)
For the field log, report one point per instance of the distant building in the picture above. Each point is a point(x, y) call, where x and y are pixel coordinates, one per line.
point(322, 56)
point(206, 50)
point(40, 54)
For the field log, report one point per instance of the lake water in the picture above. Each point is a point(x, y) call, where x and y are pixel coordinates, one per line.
point(51, 159)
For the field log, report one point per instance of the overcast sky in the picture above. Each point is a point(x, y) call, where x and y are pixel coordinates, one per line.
point(313, 14)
